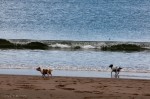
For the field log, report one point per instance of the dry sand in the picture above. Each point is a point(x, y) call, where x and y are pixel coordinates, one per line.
point(36, 87)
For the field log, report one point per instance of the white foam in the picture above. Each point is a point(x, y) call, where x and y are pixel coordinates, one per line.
point(60, 45)
point(76, 68)
point(88, 47)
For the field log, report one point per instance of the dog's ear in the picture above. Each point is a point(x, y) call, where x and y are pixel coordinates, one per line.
point(38, 68)
point(111, 65)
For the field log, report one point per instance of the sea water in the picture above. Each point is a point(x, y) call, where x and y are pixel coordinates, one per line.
point(77, 20)
point(76, 63)
point(98, 20)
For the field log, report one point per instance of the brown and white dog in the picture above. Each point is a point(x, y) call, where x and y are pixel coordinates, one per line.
point(115, 69)
point(44, 71)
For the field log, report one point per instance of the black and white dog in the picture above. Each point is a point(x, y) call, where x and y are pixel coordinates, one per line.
point(115, 69)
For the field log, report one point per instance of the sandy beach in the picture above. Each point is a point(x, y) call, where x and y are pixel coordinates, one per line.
point(36, 87)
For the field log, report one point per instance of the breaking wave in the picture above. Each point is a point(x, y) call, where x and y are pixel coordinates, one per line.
point(66, 44)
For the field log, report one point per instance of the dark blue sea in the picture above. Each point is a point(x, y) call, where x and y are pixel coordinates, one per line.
point(98, 20)
point(76, 20)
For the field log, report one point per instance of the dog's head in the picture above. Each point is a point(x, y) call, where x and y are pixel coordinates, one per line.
point(111, 65)
point(38, 69)
point(119, 68)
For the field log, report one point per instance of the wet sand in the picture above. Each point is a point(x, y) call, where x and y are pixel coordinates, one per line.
point(36, 87)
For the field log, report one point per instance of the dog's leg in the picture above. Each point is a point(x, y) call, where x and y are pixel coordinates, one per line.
point(118, 74)
point(43, 75)
point(115, 74)
point(111, 74)
point(48, 74)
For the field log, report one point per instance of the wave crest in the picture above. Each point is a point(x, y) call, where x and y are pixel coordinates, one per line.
point(97, 45)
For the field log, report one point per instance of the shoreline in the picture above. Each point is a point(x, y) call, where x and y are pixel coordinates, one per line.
point(66, 73)
point(36, 87)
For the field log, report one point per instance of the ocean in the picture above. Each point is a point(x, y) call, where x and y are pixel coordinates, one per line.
point(76, 20)
point(88, 20)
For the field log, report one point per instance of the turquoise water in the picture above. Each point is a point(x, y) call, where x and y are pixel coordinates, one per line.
point(98, 20)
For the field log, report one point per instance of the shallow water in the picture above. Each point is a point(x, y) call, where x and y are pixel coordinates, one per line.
point(93, 74)
point(75, 60)
point(83, 63)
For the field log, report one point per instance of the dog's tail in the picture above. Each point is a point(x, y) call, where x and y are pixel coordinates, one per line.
point(50, 69)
